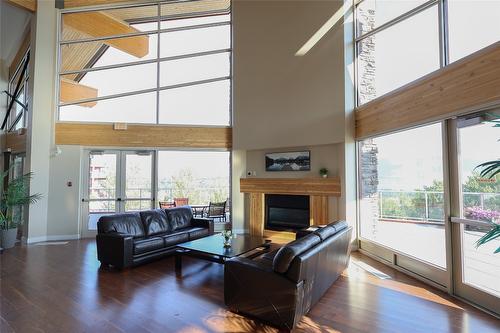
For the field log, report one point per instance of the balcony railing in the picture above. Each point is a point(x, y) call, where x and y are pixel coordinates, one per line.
point(427, 206)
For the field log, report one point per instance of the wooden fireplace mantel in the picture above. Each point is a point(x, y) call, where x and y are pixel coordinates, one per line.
point(298, 186)
point(318, 190)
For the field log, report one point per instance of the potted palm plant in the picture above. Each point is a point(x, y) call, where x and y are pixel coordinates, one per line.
point(13, 195)
point(490, 170)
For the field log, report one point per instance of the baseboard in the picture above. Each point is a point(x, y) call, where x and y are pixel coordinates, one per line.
point(32, 240)
point(405, 271)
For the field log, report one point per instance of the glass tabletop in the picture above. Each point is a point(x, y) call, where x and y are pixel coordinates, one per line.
point(215, 245)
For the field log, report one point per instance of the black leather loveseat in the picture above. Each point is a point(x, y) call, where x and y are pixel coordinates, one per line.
point(281, 286)
point(129, 239)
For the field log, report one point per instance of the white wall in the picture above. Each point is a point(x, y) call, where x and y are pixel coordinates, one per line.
point(347, 202)
point(282, 100)
point(64, 201)
point(40, 114)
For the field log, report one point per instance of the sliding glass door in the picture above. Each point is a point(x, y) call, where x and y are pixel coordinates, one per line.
point(424, 204)
point(475, 207)
point(402, 210)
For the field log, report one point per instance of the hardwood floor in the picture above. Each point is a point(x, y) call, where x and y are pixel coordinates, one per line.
point(60, 288)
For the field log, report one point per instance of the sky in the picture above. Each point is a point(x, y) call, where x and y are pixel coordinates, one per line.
point(478, 144)
point(410, 49)
point(410, 160)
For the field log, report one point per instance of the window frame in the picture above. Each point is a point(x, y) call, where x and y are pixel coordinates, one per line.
point(14, 118)
point(442, 6)
point(158, 60)
point(418, 268)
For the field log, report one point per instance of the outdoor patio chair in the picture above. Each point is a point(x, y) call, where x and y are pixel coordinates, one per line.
point(217, 210)
point(181, 202)
point(166, 204)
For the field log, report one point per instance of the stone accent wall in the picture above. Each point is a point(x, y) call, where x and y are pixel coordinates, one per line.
point(368, 163)
point(366, 57)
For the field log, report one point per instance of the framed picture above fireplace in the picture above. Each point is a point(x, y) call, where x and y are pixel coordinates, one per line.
point(289, 161)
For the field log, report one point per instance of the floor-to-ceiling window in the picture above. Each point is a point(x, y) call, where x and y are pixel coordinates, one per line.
point(477, 208)
point(401, 187)
point(423, 203)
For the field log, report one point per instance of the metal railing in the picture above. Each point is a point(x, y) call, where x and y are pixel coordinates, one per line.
point(427, 206)
point(164, 193)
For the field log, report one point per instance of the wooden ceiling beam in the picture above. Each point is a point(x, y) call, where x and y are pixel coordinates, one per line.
point(71, 91)
point(24, 4)
point(99, 24)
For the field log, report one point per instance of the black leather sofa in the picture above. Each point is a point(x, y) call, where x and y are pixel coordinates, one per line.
point(281, 286)
point(129, 239)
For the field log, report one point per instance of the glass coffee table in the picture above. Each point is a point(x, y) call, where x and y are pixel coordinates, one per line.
point(212, 248)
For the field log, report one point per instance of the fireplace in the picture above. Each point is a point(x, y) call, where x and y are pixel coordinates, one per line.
point(286, 212)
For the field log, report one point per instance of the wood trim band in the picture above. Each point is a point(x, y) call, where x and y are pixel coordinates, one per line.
point(468, 85)
point(14, 142)
point(297, 186)
point(158, 136)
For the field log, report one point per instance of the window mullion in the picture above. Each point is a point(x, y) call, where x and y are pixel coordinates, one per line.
point(158, 46)
point(443, 25)
point(398, 19)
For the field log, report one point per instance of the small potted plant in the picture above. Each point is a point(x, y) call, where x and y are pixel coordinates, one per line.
point(14, 195)
point(323, 172)
point(227, 234)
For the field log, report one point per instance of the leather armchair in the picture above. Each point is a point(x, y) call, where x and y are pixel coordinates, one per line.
point(252, 287)
point(282, 286)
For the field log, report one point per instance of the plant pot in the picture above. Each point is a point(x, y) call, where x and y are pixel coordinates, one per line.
point(325, 175)
point(9, 237)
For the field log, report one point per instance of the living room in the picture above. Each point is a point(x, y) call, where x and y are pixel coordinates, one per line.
point(248, 166)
